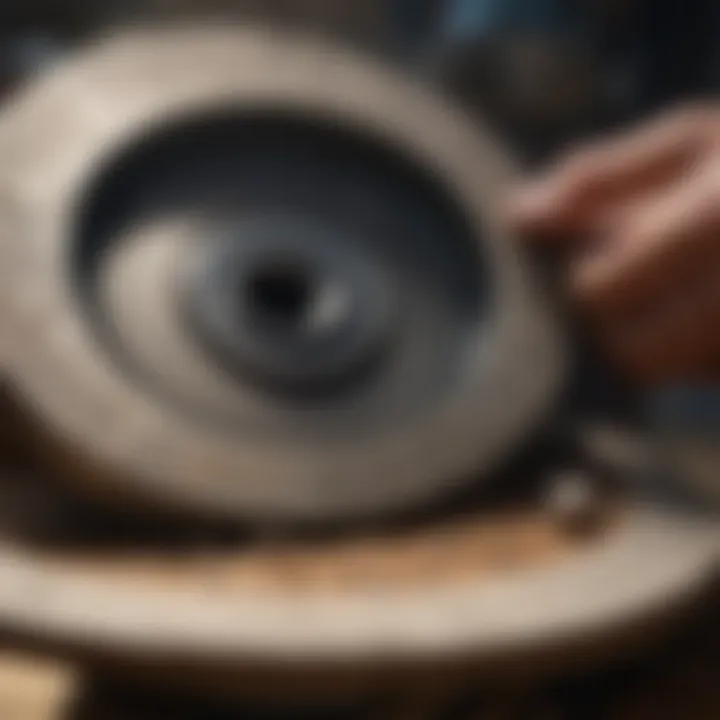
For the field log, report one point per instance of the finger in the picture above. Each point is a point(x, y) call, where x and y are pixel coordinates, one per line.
point(569, 197)
point(656, 247)
point(680, 343)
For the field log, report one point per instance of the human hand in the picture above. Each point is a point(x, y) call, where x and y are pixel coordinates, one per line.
point(640, 216)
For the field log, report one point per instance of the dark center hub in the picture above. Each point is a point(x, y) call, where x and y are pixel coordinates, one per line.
point(293, 306)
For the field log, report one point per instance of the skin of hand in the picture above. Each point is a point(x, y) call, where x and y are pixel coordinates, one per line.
point(639, 218)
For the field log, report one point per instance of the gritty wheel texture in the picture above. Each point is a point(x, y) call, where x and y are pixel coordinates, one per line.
point(350, 458)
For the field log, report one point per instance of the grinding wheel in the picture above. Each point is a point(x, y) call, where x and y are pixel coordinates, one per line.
point(208, 204)
point(256, 277)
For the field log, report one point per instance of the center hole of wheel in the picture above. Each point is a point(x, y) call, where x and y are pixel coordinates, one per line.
point(282, 294)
